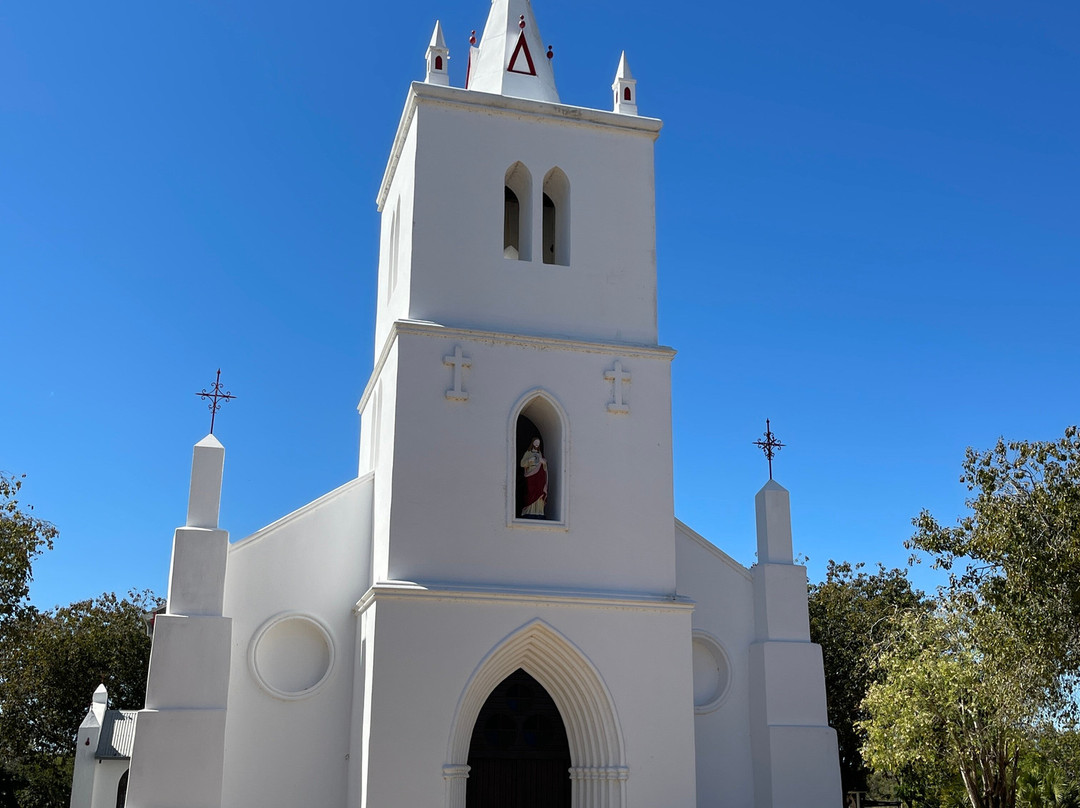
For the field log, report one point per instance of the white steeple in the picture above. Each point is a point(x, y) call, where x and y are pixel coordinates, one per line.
point(625, 88)
point(437, 58)
point(511, 59)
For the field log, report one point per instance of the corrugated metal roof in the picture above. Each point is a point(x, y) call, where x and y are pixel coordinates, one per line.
point(117, 734)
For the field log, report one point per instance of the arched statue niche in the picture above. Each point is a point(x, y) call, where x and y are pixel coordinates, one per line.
point(538, 462)
point(519, 754)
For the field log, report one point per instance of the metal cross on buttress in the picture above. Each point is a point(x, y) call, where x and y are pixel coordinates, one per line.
point(770, 445)
point(216, 396)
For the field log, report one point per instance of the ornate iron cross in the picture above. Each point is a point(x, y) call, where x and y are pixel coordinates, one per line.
point(216, 396)
point(770, 445)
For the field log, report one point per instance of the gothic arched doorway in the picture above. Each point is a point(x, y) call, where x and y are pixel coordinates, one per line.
point(518, 756)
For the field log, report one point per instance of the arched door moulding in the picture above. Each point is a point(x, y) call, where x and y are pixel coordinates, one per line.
point(598, 767)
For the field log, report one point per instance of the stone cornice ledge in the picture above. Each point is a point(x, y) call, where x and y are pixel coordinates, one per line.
point(429, 329)
point(420, 91)
point(399, 590)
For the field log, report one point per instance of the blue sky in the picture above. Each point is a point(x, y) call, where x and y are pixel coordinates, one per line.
point(867, 232)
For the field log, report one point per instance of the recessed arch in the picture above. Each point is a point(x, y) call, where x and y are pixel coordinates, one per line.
point(393, 250)
point(517, 213)
point(544, 412)
point(556, 218)
point(121, 790)
point(598, 766)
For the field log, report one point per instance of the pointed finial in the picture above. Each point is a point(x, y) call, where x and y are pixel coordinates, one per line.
point(472, 37)
point(437, 38)
point(506, 60)
point(437, 56)
point(550, 53)
point(625, 88)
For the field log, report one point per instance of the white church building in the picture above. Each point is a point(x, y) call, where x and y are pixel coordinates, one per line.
point(501, 609)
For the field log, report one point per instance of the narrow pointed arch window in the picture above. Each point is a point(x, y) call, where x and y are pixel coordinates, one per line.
point(517, 213)
point(121, 790)
point(556, 218)
point(438, 63)
point(626, 94)
point(393, 250)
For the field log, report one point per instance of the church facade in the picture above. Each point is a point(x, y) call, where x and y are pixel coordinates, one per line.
point(501, 608)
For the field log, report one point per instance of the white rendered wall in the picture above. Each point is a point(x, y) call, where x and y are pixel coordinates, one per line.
point(86, 742)
point(393, 301)
point(724, 608)
point(377, 450)
point(454, 152)
point(425, 650)
point(314, 563)
point(106, 781)
point(453, 460)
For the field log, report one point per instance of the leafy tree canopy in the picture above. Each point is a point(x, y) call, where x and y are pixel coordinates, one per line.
point(850, 612)
point(985, 684)
point(22, 539)
point(1018, 550)
point(51, 662)
point(955, 694)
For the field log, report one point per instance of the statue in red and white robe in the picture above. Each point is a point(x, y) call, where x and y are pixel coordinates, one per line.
point(536, 480)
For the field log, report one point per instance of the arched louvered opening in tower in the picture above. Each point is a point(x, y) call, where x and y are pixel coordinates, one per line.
point(517, 213)
point(556, 218)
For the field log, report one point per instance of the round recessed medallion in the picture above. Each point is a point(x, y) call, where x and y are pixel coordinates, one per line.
point(291, 656)
point(712, 673)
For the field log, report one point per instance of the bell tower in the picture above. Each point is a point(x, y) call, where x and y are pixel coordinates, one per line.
point(517, 301)
point(517, 422)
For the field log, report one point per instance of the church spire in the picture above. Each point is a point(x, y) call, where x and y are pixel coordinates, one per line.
point(625, 88)
point(511, 59)
point(437, 57)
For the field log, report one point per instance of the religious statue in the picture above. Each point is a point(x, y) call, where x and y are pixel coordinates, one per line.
point(536, 481)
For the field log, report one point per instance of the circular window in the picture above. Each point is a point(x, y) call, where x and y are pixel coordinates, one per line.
point(712, 673)
point(291, 656)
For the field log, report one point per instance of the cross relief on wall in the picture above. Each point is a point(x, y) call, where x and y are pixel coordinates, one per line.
point(618, 376)
point(619, 379)
point(458, 362)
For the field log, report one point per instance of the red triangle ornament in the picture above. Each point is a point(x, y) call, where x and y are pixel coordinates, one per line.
point(515, 65)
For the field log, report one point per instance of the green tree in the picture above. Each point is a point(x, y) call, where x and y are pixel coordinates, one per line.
point(1042, 784)
point(51, 662)
point(957, 690)
point(852, 611)
point(1050, 775)
point(1019, 547)
point(22, 539)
